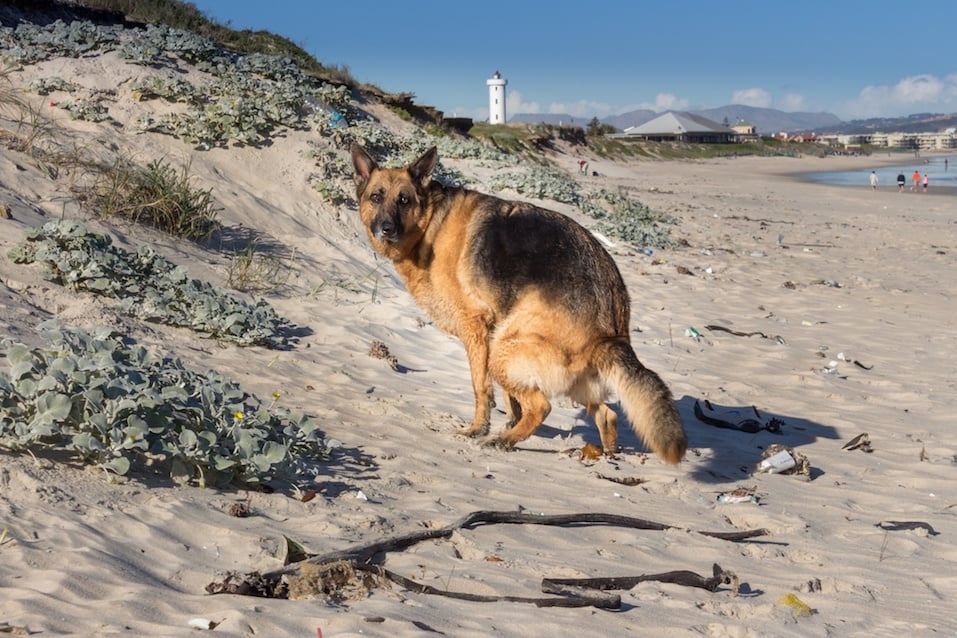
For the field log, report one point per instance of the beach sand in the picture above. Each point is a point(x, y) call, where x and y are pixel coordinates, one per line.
point(847, 294)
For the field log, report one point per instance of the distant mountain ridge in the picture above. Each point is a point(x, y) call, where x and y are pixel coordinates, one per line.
point(771, 121)
point(555, 119)
point(915, 123)
point(766, 121)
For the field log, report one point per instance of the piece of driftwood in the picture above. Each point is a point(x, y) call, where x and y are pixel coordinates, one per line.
point(345, 580)
point(574, 596)
point(629, 481)
point(571, 592)
point(365, 553)
point(680, 577)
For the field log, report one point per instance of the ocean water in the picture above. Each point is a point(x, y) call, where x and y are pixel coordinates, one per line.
point(938, 175)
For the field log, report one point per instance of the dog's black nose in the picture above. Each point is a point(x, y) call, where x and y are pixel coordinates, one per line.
point(385, 229)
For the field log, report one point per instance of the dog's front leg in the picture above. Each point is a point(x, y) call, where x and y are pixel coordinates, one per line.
point(476, 340)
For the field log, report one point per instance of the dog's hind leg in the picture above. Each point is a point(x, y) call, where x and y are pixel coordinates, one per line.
point(607, 422)
point(513, 410)
point(516, 362)
point(534, 408)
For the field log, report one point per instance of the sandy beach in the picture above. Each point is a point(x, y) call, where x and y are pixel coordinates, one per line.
point(829, 310)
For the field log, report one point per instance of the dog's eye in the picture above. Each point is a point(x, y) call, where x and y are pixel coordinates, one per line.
point(375, 198)
point(404, 200)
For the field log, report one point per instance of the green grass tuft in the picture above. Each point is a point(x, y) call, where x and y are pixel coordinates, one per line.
point(158, 195)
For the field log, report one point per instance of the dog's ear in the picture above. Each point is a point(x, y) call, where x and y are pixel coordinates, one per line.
point(421, 169)
point(363, 164)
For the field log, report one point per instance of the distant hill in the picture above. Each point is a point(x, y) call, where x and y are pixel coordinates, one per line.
point(771, 121)
point(620, 122)
point(767, 121)
point(916, 123)
point(631, 118)
point(555, 119)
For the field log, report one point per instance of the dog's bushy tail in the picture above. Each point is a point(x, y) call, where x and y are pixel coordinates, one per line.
point(645, 397)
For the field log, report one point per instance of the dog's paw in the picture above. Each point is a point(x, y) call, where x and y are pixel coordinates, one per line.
point(475, 430)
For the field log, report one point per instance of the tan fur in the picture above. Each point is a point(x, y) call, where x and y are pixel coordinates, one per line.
point(538, 303)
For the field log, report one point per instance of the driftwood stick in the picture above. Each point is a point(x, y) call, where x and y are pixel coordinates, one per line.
point(577, 597)
point(680, 577)
point(737, 536)
point(365, 553)
point(490, 517)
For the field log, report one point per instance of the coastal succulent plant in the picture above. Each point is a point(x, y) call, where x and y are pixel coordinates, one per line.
point(112, 402)
point(147, 285)
point(616, 215)
point(45, 86)
point(89, 110)
point(167, 87)
point(540, 183)
point(248, 97)
point(630, 220)
point(31, 43)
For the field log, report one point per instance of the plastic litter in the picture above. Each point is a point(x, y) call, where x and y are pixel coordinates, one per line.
point(202, 623)
point(739, 495)
point(777, 463)
point(318, 106)
point(799, 607)
point(780, 459)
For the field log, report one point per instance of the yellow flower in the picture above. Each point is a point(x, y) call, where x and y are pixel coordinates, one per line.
point(276, 394)
point(239, 416)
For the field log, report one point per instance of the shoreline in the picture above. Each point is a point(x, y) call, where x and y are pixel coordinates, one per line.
point(848, 164)
point(794, 169)
point(938, 182)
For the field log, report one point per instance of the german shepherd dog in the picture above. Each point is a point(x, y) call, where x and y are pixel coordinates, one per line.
point(537, 301)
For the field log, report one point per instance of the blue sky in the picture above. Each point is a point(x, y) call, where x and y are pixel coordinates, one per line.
point(602, 57)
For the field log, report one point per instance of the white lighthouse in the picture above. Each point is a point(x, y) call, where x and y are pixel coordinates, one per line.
point(496, 98)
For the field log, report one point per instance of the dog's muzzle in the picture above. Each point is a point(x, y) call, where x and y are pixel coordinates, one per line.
point(385, 229)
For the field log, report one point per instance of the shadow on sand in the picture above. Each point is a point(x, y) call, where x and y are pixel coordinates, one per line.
point(733, 453)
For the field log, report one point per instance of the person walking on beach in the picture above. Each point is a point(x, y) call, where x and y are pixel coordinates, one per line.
point(925, 182)
point(901, 181)
point(916, 178)
point(582, 167)
point(874, 180)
